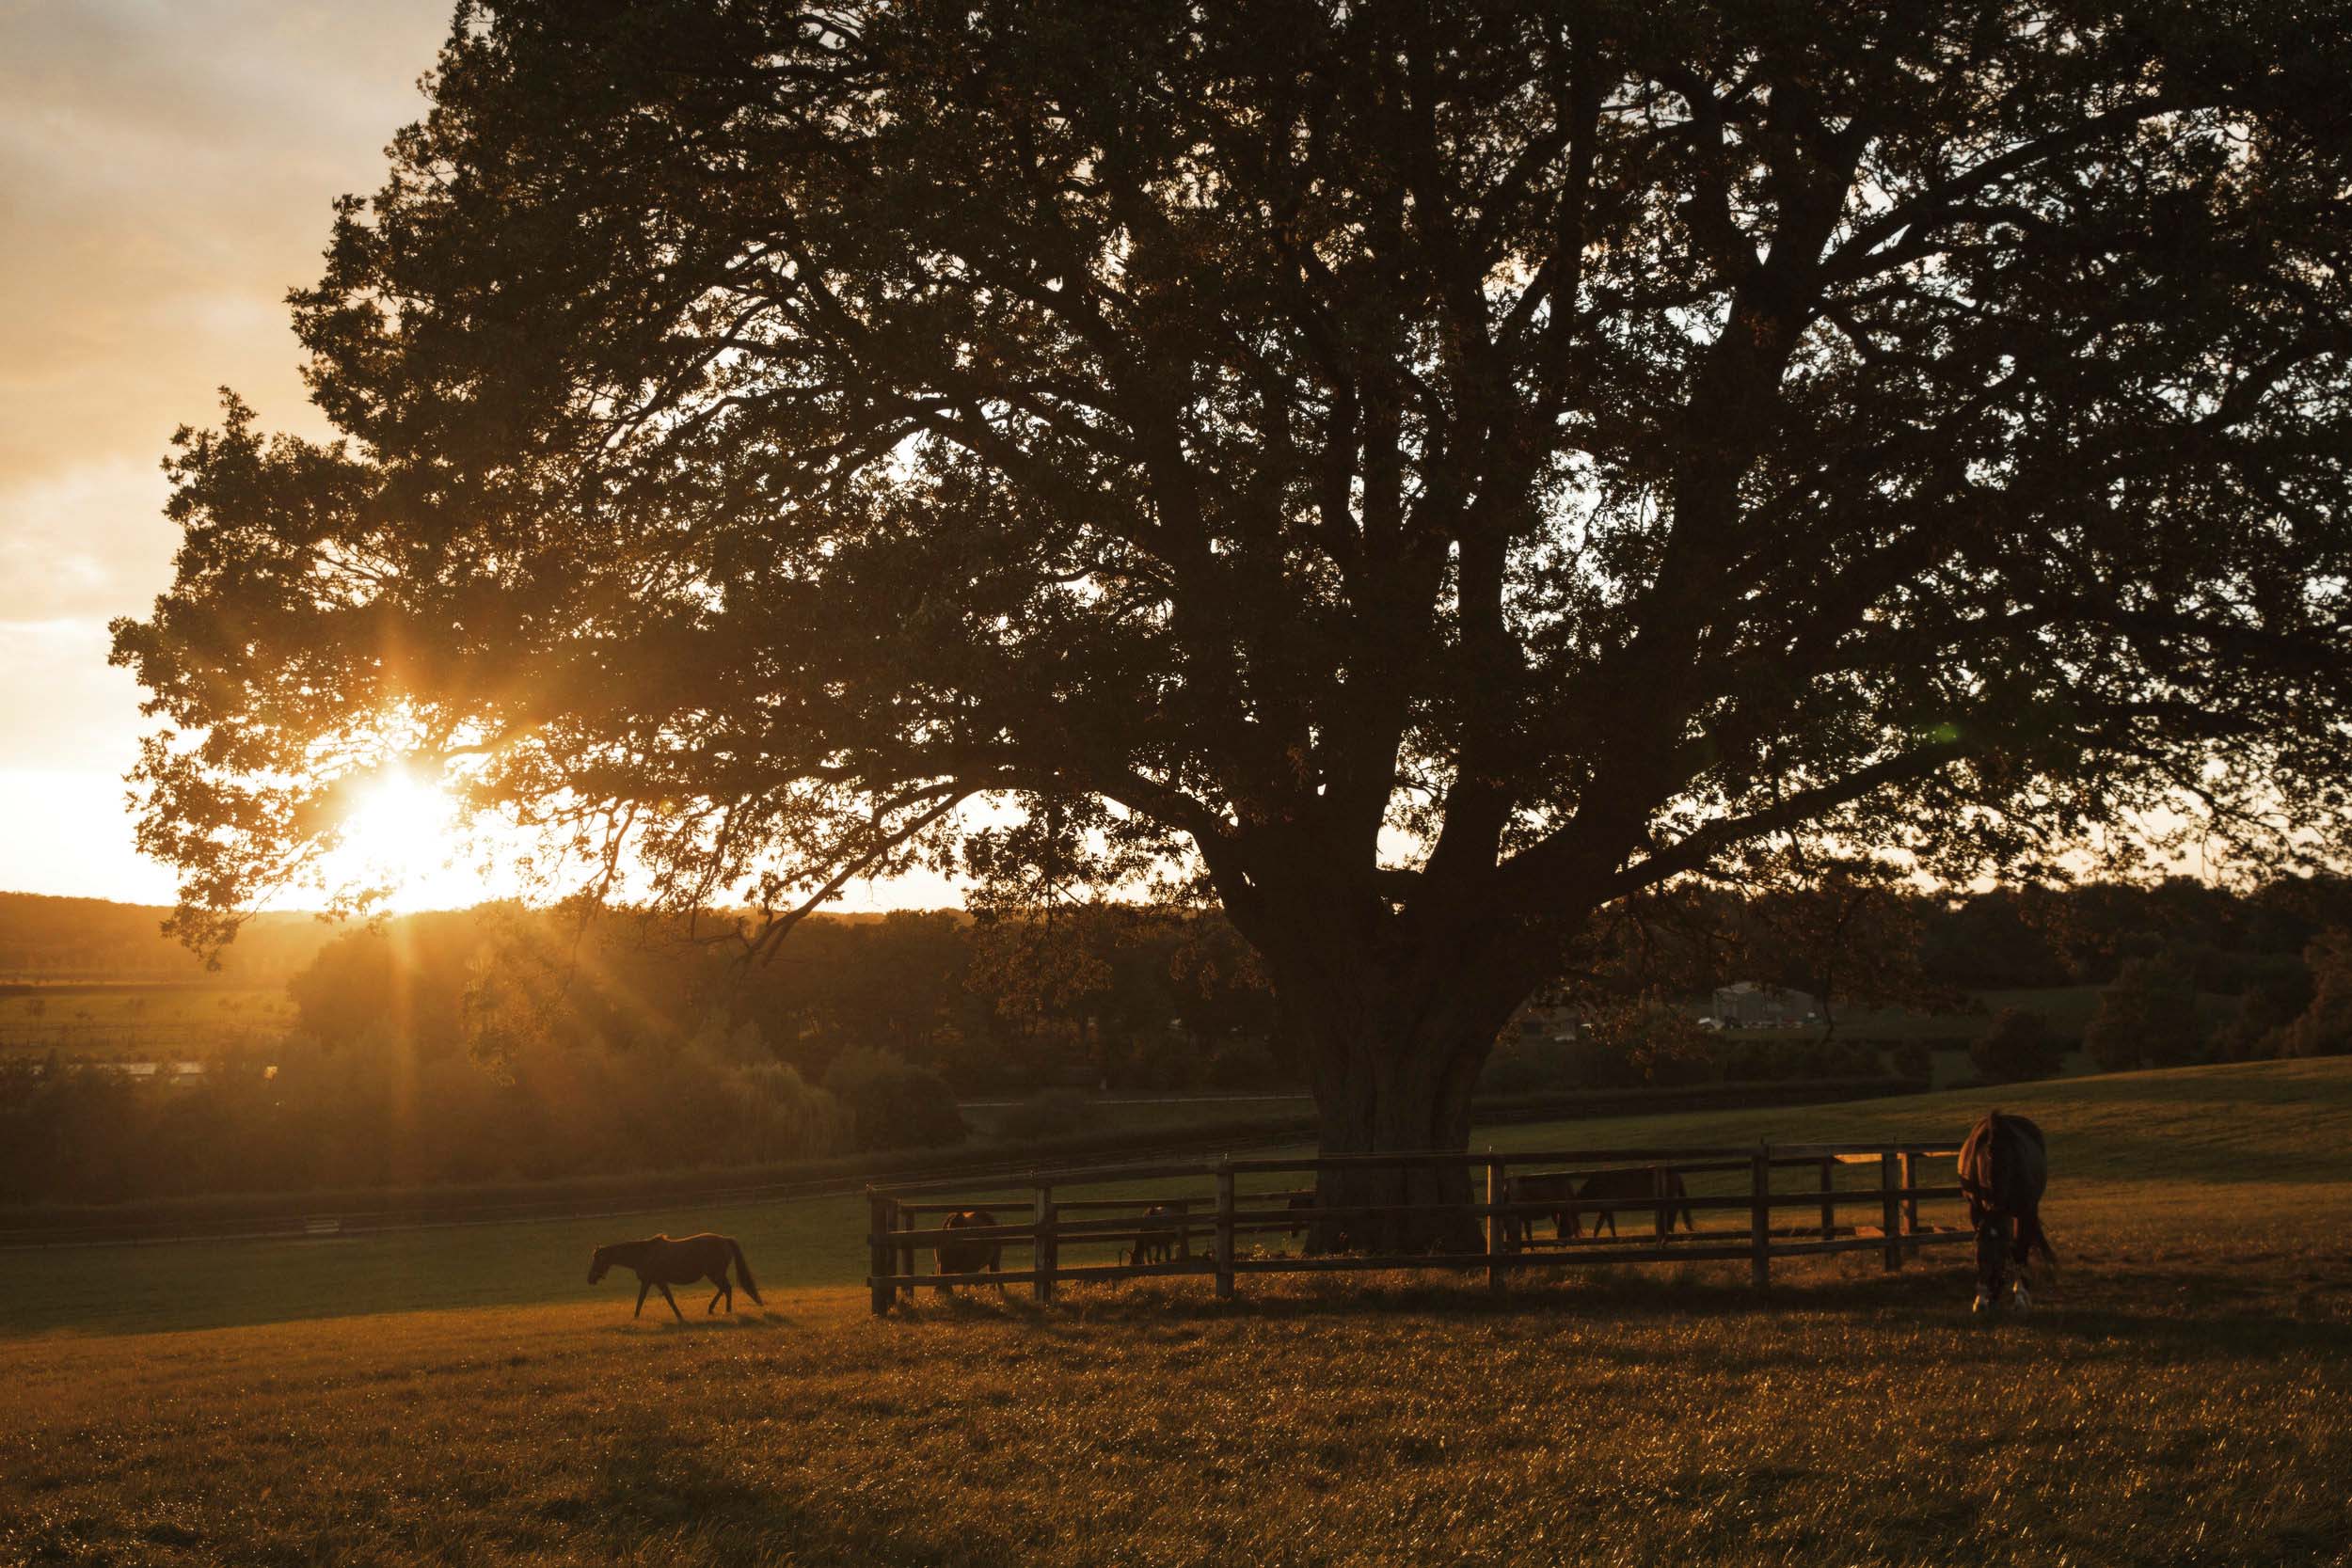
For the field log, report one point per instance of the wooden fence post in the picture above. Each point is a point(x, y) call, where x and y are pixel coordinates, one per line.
point(1760, 1217)
point(1042, 1252)
point(1498, 1225)
point(880, 1287)
point(1911, 1204)
point(1225, 1229)
point(1665, 1215)
point(1829, 1207)
point(1891, 1211)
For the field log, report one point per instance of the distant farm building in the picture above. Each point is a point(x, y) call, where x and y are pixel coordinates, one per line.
point(1749, 1005)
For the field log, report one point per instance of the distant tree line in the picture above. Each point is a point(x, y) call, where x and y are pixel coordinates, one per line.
point(44, 939)
point(503, 1044)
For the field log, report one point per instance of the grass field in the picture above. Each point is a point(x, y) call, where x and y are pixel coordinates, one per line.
point(134, 1023)
point(2182, 1395)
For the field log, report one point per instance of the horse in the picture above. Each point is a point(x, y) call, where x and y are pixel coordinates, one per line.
point(1155, 1246)
point(968, 1257)
point(663, 1261)
point(1553, 1186)
point(2004, 1166)
point(1301, 1204)
point(1633, 1181)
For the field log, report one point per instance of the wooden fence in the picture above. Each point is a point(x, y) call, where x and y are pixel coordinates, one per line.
point(1851, 1197)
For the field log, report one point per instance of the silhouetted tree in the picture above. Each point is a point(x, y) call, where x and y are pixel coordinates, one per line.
point(2148, 1018)
point(2018, 1046)
point(2324, 1027)
point(1433, 469)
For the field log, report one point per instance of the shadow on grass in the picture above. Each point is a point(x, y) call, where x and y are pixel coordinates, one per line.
point(771, 1321)
point(656, 1493)
point(2161, 1311)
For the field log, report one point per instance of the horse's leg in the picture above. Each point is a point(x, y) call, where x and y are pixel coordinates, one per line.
point(714, 1300)
point(642, 1285)
point(673, 1301)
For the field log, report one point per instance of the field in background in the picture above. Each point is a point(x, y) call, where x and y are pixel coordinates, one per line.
point(2182, 1395)
point(2247, 1138)
point(131, 1021)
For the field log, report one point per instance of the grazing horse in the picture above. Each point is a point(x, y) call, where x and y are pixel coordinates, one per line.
point(1300, 1206)
point(2004, 1168)
point(968, 1257)
point(1155, 1246)
point(1633, 1181)
point(663, 1261)
point(1547, 1187)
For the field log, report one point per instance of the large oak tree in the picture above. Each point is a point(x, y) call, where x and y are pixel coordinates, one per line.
point(1435, 468)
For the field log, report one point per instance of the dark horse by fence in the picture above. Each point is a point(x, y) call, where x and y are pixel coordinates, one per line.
point(1635, 1181)
point(962, 1257)
point(1563, 1188)
point(2004, 1166)
point(663, 1261)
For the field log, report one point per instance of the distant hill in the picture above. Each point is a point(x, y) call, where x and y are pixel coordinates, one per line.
point(45, 939)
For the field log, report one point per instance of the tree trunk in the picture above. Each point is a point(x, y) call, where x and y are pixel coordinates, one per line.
point(1393, 1063)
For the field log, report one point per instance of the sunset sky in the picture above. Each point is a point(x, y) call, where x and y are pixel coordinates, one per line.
point(166, 173)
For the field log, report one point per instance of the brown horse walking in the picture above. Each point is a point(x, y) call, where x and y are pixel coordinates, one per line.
point(663, 1261)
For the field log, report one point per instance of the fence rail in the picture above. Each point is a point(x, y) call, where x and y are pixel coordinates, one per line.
point(1158, 1232)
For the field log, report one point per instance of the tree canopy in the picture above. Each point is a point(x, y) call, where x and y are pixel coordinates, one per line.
point(1433, 468)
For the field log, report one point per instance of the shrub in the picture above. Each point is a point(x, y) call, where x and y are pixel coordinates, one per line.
point(1243, 1063)
point(1659, 1044)
point(2018, 1046)
point(1912, 1060)
point(893, 1104)
point(1520, 1065)
point(2148, 1016)
point(2325, 1028)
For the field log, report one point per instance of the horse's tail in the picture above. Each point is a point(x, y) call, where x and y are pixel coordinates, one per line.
point(743, 1270)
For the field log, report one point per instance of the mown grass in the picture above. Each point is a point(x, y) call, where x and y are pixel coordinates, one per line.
point(2182, 1394)
point(2181, 1397)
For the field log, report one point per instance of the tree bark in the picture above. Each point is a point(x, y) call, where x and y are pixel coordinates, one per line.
point(1394, 1054)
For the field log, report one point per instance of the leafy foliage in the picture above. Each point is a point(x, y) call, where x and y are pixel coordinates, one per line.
point(2325, 1028)
point(892, 1104)
point(2018, 1046)
point(1425, 474)
point(2148, 1018)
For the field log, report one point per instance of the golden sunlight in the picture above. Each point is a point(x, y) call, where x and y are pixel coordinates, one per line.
point(402, 834)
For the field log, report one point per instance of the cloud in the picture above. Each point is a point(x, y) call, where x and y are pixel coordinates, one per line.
point(166, 172)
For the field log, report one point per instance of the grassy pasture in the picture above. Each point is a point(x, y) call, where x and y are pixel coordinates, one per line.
point(2184, 1397)
point(2248, 1142)
point(2183, 1394)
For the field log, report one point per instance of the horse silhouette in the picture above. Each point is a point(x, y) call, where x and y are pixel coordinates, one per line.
point(1544, 1187)
point(1634, 1181)
point(661, 1262)
point(1154, 1245)
point(968, 1257)
point(2004, 1168)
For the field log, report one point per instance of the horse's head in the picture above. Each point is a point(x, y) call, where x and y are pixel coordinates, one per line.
point(597, 1264)
point(1996, 1235)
